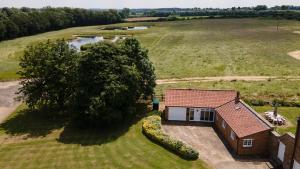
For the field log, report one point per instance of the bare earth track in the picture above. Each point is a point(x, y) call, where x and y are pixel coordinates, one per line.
point(7, 98)
point(225, 78)
point(295, 54)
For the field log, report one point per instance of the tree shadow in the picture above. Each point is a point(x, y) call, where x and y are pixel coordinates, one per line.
point(100, 135)
point(33, 123)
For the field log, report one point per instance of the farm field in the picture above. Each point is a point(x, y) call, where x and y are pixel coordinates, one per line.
point(31, 140)
point(193, 48)
point(290, 113)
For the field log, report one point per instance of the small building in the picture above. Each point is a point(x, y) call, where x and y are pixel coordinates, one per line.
point(245, 131)
point(296, 153)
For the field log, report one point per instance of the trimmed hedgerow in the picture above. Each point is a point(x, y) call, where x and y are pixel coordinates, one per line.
point(152, 129)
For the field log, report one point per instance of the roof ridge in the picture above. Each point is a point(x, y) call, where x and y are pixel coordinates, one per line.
point(225, 104)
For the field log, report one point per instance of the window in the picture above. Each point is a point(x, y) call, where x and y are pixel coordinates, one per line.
point(223, 124)
point(191, 114)
point(207, 115)
point(247, 142)
point(232, 135)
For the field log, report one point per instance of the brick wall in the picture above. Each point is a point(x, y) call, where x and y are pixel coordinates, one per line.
point(225, 133)
point(273, 148)
point(259, 147)
point(297, 143)
point(260, 140)
point(288, 140)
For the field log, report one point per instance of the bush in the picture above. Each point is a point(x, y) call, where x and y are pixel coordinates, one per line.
point(152, 129)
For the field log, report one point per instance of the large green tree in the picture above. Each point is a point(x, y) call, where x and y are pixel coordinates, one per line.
point(111, 78)
point(48, 70)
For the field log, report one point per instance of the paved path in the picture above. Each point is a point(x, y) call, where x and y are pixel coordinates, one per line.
point(211, 148)
point(7, 98)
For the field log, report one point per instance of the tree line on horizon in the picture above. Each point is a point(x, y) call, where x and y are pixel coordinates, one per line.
point(15, 22)
point(278, 12)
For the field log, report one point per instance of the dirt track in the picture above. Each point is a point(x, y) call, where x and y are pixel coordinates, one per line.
point(295, 54)
point(225, 78)
point(7, 98)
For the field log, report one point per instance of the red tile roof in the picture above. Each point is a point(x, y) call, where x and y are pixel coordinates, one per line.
point(198, 98)
point(241, 118)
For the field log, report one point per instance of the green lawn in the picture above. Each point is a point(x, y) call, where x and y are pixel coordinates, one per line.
point(192, 48)
point(265, 90)
point(290, 113)
point(33, 140)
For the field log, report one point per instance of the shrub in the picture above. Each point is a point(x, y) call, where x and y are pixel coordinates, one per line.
point(152, 129)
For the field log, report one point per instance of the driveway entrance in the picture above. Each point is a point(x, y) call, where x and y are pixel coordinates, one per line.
point(211, 149)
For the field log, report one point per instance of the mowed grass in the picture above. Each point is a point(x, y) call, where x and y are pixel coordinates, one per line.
point(33, 140)
point(195, 48)
point(290, 113)
point(265, 90)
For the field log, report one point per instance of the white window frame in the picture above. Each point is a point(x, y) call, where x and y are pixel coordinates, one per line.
point(232, 135)
point(247, 142)
point(223, 124)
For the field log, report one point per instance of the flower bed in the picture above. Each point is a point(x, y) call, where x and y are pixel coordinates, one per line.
point(152, 129)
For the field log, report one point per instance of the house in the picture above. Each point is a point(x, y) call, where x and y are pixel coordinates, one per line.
point(243, 129)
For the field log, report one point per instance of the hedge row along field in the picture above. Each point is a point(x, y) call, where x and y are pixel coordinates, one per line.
point(151, 127)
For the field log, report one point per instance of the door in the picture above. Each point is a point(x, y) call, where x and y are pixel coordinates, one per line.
point(177, 113)
point(196, 114)
point(296, 165)
point(281, 151)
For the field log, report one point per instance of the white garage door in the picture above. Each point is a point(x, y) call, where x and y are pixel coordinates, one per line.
point(296, 165)
point(177, 113)
point(281, 151)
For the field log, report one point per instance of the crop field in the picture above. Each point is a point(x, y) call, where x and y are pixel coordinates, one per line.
point(32, 140)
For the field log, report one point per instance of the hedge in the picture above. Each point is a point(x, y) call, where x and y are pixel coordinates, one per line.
point(152, 129)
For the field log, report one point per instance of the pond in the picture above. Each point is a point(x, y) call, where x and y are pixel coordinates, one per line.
point(129, 28)
point(137, 28)
point(80, 41)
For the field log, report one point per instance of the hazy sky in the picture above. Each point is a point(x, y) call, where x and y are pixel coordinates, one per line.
point(144, 3)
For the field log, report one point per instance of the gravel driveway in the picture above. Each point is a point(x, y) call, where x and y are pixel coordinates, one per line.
point(7, 102)
point(211, 148)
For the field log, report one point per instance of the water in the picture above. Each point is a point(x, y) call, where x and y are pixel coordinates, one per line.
point(80, 41)
point(137, 28)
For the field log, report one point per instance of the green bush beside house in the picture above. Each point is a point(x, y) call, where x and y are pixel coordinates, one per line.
point(151, 127)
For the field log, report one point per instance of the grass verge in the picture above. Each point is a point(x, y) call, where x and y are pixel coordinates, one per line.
point(34, 140)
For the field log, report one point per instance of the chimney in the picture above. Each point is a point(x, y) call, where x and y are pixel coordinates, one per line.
point(237, 98)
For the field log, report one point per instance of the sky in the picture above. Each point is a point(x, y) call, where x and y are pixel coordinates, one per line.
point(145, 3)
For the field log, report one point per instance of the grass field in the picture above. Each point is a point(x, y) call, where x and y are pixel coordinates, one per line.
point(290, 113)
point(31, 140)
point(194, 48)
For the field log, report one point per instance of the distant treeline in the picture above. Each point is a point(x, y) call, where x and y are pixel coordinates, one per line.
point(27, 21)
point(280, 12)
